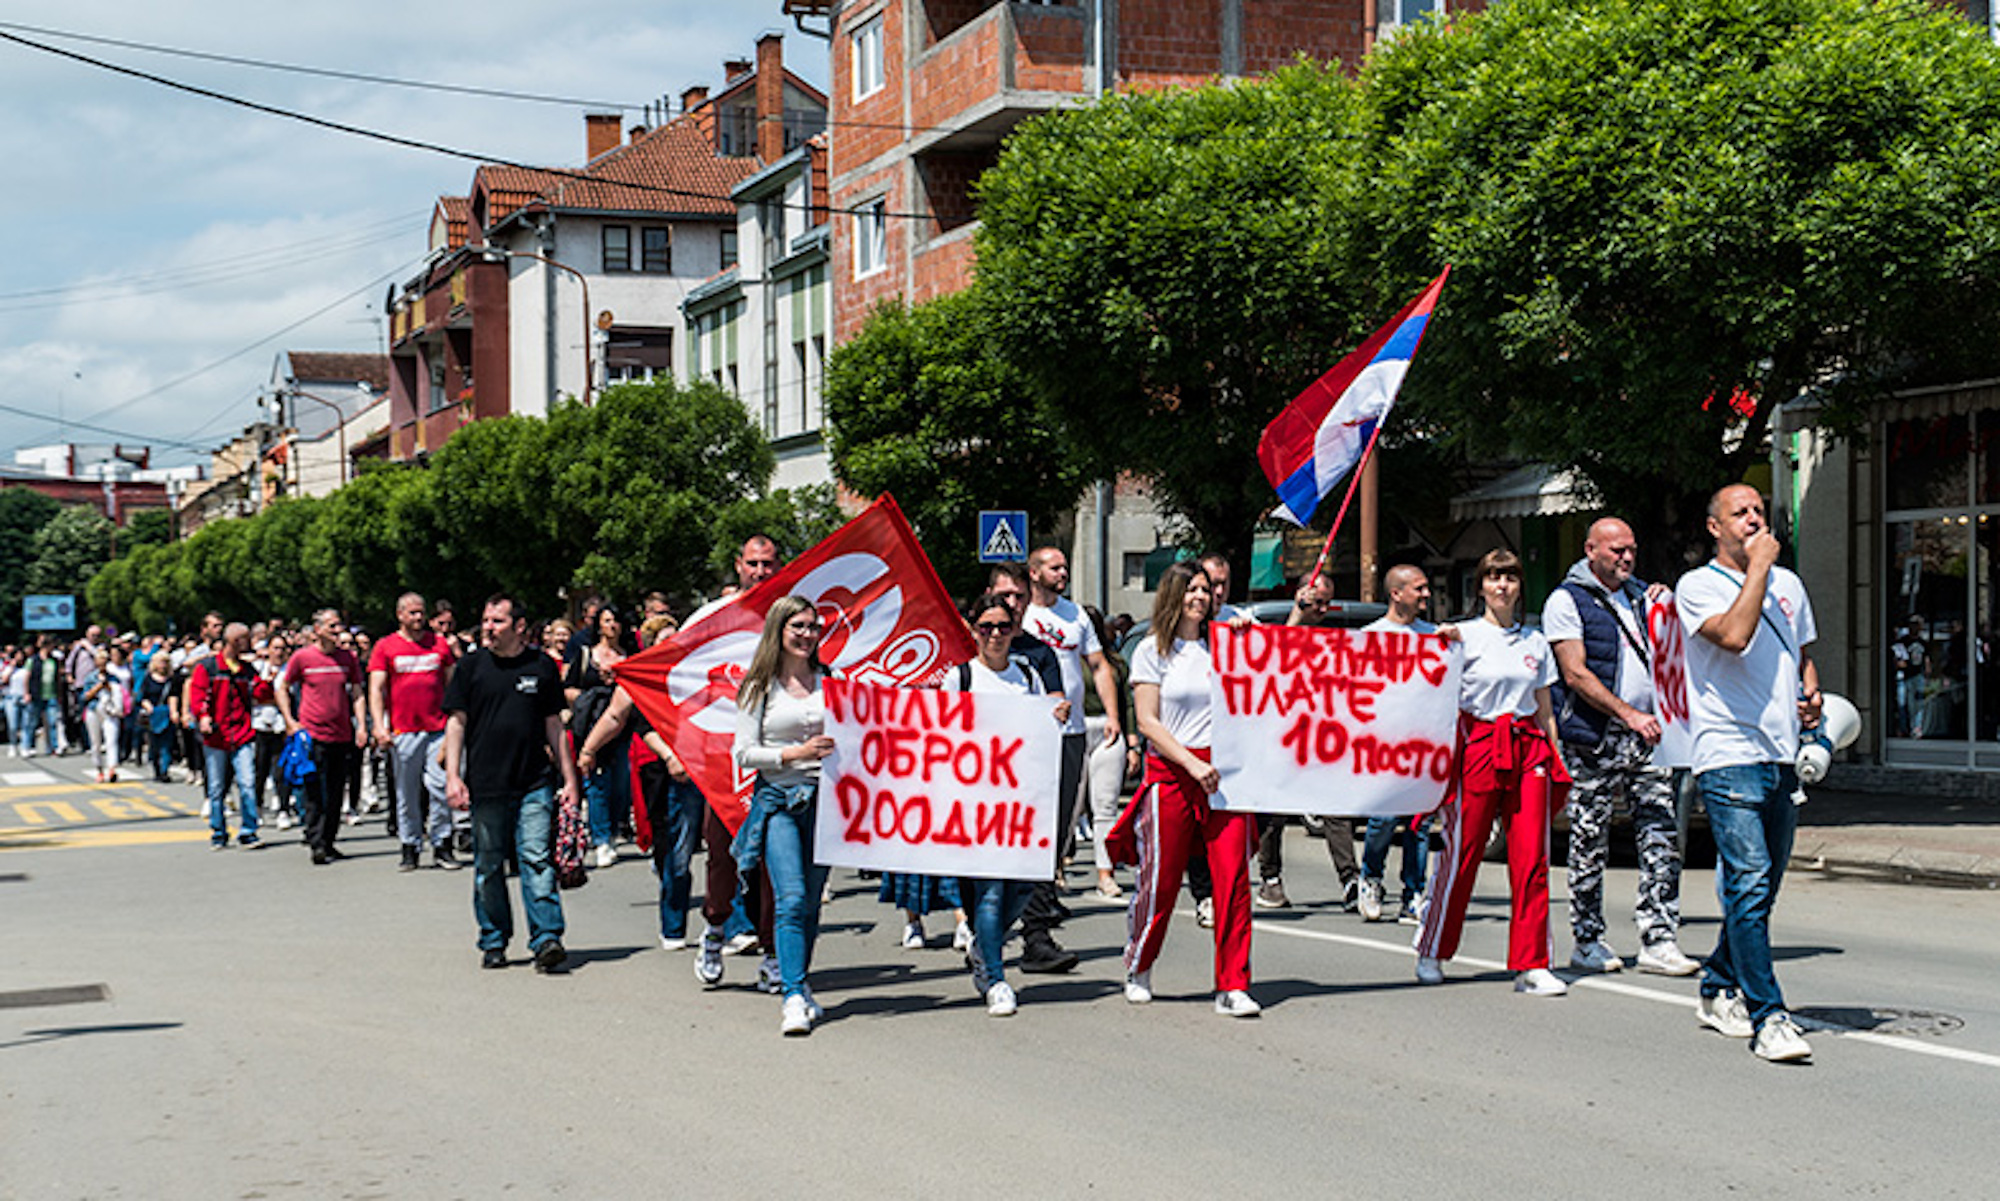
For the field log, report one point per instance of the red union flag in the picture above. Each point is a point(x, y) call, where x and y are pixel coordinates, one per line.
point(888, 621)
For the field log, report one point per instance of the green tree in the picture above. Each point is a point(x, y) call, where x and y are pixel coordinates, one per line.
point(146, 527)
point(796, 519)
point(71, 548)
point(921, 405)
point(1169, 269)
point(23, 513)
point(1647, 204)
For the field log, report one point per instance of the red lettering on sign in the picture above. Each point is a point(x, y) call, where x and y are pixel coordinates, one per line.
point(989, 823)
point(955, 707)
point(1669, 662)
point(917, 807)
point(1021, 827)
point(853, 797)
point(953, 834)
point(1002, 759)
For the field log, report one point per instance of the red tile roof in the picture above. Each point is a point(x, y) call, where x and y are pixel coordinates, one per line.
point(457, 219)
point(318, 366)
point(674, 166)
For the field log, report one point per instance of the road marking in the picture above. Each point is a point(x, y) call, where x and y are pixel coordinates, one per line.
point(25, 779)
point(31, 812)
point(54, 838)
point(1600, 984)
point(66, 994)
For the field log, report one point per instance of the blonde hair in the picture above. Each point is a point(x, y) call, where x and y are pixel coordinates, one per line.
point(652, 626)
point(764, 664)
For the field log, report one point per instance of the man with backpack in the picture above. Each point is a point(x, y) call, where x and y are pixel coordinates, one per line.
point(222, 691)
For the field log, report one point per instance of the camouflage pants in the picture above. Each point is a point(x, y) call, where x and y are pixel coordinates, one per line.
point(1623, 766)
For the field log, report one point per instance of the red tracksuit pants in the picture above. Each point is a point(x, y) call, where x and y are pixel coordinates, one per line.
point(1172, 817)
point(1507, 773)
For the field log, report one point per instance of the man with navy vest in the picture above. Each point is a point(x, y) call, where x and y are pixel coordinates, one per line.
point(1596, 623)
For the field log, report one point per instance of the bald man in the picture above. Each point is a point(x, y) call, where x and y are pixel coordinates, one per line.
point(1751, 686)
point(1595, 622)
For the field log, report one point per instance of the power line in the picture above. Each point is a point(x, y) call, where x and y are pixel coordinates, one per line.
point(324, 72)
point(416, 144)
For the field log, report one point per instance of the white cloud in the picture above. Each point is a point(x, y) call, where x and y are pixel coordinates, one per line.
point(113, 177)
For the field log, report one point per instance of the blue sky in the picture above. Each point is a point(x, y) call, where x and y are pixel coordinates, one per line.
point(154, 233)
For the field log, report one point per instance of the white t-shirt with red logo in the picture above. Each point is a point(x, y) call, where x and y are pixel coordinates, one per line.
point(1067, 630)
point(1503, 669)
point(1743, 708)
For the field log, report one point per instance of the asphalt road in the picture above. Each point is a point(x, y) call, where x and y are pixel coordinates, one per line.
point(278, 1030)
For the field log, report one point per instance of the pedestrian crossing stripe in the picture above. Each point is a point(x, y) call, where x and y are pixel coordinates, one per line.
point(25, 779)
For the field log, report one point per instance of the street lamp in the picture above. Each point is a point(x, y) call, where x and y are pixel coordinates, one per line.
point(582, 283)
point(339, 424)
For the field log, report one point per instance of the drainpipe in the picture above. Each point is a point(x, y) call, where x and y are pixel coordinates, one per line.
point(546, 234)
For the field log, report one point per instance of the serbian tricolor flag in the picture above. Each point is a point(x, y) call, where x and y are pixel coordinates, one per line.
point(1317, 440)
point(888, 621)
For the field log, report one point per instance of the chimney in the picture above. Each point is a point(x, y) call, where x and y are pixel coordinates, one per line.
point(771, 97)
point(691, 98)
point(734, 69)
point(638, 131)
point(600, 133)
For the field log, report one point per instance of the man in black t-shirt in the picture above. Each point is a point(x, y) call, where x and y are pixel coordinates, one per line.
point(503, 745)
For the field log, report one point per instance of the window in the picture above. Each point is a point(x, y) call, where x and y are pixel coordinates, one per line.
point(728, 249)
point(438, 399)
point(617, 247)
point(1406, 12)
point(655, 250)
point(871, 238)
point(799, 365)
point(638, 354)
point(771, 216)
point(867, 44)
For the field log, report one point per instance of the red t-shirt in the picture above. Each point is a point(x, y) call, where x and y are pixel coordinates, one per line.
point(416, 680)
point(324, 707)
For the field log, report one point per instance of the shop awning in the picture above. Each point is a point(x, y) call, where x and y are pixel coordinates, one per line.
point(1537, 490)
point(1162, 557)
point(1267, 562)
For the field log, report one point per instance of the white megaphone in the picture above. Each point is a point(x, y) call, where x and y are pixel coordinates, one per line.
point(1839, 725)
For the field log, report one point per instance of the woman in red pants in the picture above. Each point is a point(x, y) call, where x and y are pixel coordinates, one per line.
point(1509, 771)
point(1172, 816)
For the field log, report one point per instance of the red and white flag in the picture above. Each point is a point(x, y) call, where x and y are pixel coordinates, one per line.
point(888, 621)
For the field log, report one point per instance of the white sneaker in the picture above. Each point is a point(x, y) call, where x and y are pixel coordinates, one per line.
point(1595, 956)
point(1666, 959)
point(913, 936)
point(797, 1017)
point(1411, 913)
point(1235, 1003)
point(961, 938)
point(1204, 913)
point(673, 944)
point(1779, 1041)
point(708, 962)
point(741, 943)
point(768, 977)
point(1540, 982)
point(285, 821)
point(605, 855)
point(1370, 900)
point(813, 1008)
point(1139, 987)
point(1429, 970)
point(1725, 1014)
point(1000, 1002)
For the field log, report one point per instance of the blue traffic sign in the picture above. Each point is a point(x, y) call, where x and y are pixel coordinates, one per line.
point(1003, 535)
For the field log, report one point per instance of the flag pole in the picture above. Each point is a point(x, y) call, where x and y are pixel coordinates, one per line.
point(1353, 481)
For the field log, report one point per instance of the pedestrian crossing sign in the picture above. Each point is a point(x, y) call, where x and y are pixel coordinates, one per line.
point(1003, 535)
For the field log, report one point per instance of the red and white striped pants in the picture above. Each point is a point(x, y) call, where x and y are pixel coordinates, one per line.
point(1171, 816)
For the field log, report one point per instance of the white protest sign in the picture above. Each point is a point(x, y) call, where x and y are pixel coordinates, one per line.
point(1341, 722)
point(939, 783)
point(1670, 686)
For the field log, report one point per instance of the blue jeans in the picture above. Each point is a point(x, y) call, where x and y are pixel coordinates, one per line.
point(1753, 817)
point(241, 762)
point(994, 905)
point(528, 825)
point(796, 886)
point(162, 750)
point(38, 714)
point(1384, 832)
point(672, 816)
point(608, 791)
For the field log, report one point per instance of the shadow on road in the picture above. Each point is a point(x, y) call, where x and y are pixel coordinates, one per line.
point(30, 1037)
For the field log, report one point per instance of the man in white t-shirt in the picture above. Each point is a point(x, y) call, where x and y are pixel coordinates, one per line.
point(1062, 625)
point(1408, 588)
point(1595, 622)
point(1751, 683)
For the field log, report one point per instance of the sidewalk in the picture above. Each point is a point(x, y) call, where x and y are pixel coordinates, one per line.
point(1932, 839)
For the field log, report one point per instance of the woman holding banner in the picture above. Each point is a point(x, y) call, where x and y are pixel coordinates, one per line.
point(1172, 815)
point(1509, 770)
point(780, 719)
point(996, 904)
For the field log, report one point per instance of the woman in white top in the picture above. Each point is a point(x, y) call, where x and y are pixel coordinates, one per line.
point(1171, 815)
point(1509, 770)
point(104, 708)
point(780, 735)
point(995, 905)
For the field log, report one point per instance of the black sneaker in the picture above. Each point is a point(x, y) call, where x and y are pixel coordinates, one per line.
point(321, 859)
point(409, 863)
point(551, 957)
point(443, 856)
point(333, 852)
point(496, 957)
point(218, 844)
point(1044, 955)
point(461, 841)
point(249, 842)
